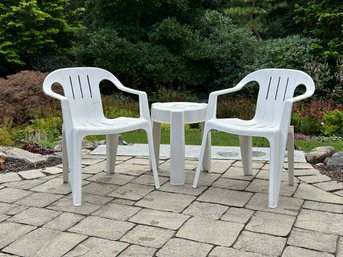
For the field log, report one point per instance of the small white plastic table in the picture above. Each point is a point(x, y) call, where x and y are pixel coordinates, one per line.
point(177, 114)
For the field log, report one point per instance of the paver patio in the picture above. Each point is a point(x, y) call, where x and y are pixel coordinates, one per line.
point(123, 215)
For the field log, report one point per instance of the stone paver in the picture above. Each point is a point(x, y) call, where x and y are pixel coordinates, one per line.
point(138, 251)
point(206, 210)
point(116, 211)
point(330, 185)
point(221, 251)
point(323, 206)
point(238, 215)
point(44, 242)
point(101, 227)
point(315, 179)
point(123, 215)
point(54, 186)
point(148, 236)
point(93, 247)
point(65, 204)
point(291, 251)
point(286, 205)
point(99, 188)
point(64, 221)
point(340, 248)
point(310, 192)
point(210, 231)
point(162, 219)
point(325, 222)
point(31, 174)
point(38, 199)
point(132, 191)
point(166, 201)
point(9, 177)
point(184, 248)
point(225, 196)
point(9, 232)
point(231, 184)
point(269, 223)
point(10, 195)
point(35, 216)
point(261, 243)
point(262, 186)
point(116, 179)
point(313, 240)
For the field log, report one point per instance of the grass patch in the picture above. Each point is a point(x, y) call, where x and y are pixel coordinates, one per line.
point(192, 137)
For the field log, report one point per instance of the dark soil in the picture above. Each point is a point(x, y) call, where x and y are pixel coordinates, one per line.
point(20, 165)
point(334, 173)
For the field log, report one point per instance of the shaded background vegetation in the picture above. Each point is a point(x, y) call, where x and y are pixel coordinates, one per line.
point(176, 49)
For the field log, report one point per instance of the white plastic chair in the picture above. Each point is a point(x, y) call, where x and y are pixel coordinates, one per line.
point(83, 115)
point(271, 120)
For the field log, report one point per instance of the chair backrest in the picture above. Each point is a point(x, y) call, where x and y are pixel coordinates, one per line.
point(81, 89)
point(275, 87)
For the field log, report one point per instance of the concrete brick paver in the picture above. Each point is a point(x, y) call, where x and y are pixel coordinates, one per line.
point(35, 216)
point(225, 196)
point(148, 236)
point(221, 251)
point(97, 247)
point(101, 227)
point(206, 210)
point(166, 201)
point(9, 232)
point(291, 251)
point(210, 231)
point(261, 243)
point(138, 251)
point(313, 240)
point(123, 215)
point(117, 211)
point(271, 223)
point(31, 174)
point(44, 242)
point(325, 222)
point(238, 215)
point(184, 248)
point(162, 219)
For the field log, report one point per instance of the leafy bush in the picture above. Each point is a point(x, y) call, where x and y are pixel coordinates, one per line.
point(291, 52)
point(333, 123)
point(308, 117)
point(5, 137)
point(22, 98)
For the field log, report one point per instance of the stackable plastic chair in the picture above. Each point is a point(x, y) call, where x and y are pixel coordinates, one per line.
point(83, 115)
point(271, 120)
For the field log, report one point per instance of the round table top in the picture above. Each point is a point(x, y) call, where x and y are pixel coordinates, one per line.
point(192, 112)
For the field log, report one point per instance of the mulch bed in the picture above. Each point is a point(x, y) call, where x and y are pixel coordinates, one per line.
point(335, 174)
point(20, 165)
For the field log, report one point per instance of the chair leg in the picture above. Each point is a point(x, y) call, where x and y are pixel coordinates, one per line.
point(75, 158)
point(65, 162)
point(276, 161)
point(290, 155)
point(156, 132)
point(206, 164)
point(111, 151)
point(245, 143)
point(201, 156)
point(153, 158)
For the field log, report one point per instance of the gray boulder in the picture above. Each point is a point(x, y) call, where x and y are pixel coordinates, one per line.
point(336, 160)
point(319, 154)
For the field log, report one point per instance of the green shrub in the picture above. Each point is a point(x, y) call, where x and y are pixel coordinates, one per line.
point(5, 137)
point(333, 123)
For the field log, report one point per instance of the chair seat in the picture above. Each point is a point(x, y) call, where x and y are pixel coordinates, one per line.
point(105, 126)
point(244, 127)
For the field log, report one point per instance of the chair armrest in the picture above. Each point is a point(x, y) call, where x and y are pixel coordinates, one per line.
point(142, 97)
point(212, 100)
point(47, 84)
